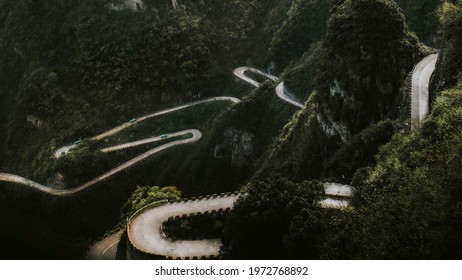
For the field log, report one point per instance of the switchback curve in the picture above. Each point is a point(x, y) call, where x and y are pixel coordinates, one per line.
point(195, 136)
point(151, 218)
point(145, 235)
point(280, 89)
point(422, 73)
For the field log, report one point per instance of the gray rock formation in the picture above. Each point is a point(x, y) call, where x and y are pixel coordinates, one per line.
point(237, 147)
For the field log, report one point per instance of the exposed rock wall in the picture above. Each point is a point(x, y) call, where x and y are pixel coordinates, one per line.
point(237, 147)
point(368, 52)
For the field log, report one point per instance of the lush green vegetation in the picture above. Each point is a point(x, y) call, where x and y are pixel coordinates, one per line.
point(300, 79)
point(400, 209)
point(360, 78)
point(96, 67)
point(197, 227)
point(422, 18)
point(304, 26)
point(81, 68)
point(270, 221)
point(298, 152)
point(408, 204)
point(450, 20)
point(143, 196)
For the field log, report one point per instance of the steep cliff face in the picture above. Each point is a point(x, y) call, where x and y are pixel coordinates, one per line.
point(368, 51)
point(237, 147)
point(361, 66)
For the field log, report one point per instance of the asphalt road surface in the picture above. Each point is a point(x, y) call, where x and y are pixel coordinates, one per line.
point(419, 93)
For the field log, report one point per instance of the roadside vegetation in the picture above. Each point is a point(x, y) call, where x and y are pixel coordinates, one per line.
point(72, 69)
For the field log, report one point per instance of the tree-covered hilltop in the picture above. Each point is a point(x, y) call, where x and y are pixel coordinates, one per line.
point(357, 83)
point(367, 53)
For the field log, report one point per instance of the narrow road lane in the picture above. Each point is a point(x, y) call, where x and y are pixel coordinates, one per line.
point(419, 93)
point(280, 90)
point(105, 249)
point(145, 232)
point(195, 136)
point(194, 133)
point(145, 227)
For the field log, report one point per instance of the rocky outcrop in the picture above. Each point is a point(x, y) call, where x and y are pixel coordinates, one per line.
point(236, 148)
point(368, 51)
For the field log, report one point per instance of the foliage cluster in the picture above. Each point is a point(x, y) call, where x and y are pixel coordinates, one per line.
point(422, 18)
point(300, 79)
point(275, 219)
point(146, 195)
point(304, 26)
point(450, 15)
point(206, 226)
point(407, 206)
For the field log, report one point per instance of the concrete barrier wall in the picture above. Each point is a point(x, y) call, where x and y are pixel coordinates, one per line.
point(137, 253)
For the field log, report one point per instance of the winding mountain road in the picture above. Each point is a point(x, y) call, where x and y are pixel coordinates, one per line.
point(281, 92)
point(194, 136)
point(105, 249)
point(419, 93)
point(145, 227)
point(280, 89)
point(63, 150)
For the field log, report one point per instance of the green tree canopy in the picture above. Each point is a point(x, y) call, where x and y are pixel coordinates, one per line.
point(268, 221)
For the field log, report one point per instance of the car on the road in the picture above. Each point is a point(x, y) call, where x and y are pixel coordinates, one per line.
point(77, 142)
point(132, 120)
point(163, 136)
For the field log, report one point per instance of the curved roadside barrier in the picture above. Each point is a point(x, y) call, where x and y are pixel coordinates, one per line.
point(194, 136)
point(280, 89)
point(144, 228)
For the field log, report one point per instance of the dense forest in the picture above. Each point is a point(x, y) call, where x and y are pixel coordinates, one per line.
point(73, 69)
